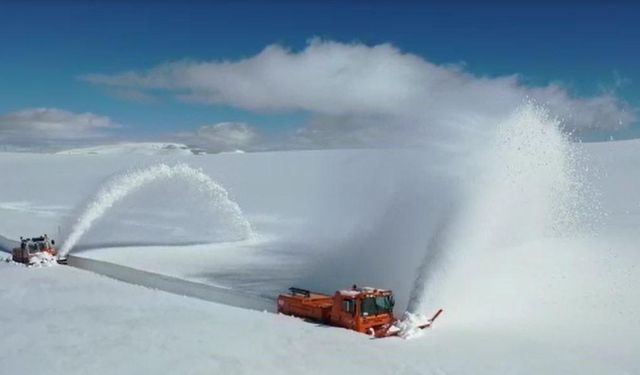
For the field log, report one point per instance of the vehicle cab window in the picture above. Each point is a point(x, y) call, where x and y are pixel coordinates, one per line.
point(348, 305)
point(377, 305)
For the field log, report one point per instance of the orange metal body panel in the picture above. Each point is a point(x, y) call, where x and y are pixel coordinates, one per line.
point(315, 307)
point(20, 255)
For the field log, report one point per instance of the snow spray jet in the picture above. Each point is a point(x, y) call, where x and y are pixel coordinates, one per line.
point(530, 186)
point(431, 263)
point(119, 187)
point(526, 186)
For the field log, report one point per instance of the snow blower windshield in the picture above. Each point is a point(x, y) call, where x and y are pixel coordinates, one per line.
point(377, 305)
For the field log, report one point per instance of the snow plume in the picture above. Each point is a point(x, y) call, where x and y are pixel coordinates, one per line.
point(359, 95)
point(118, 188)
point(528, 186)
point(429, 268)
point(531, 186)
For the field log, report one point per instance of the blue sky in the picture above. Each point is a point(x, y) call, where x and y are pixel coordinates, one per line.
point(588, 48)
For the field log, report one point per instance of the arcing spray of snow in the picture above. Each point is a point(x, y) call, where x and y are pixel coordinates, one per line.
point(527, 188)
point(428, 267)
point(531, 186)
point(125, 184)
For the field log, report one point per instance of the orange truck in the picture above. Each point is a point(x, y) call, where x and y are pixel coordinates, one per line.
point(32, 248)
point(366, 310)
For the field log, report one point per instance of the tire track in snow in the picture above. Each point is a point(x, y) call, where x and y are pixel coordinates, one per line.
point(162, 282)
point(174, 285)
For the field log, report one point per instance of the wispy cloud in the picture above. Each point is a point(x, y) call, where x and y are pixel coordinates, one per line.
point(368, 95)
point(39, 127)
point(224, 136)
point(134, 95)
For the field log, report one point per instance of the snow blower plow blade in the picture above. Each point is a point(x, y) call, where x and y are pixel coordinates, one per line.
point(409, 325)
point(433, 318)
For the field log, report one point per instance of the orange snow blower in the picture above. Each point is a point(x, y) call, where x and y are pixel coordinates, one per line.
point(32, 249)
point(365, 310)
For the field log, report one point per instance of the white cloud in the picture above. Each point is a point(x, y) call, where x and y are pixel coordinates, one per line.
point(366, 79)
point(42, 126)
point(224, 136)
point(377, 94)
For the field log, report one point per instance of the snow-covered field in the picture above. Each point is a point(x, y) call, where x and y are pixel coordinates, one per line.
point(68, 321)
point(530, 283)
point(137, 148)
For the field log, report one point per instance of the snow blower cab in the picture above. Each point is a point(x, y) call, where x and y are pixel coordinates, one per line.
point(35, 250)
point(366, 310)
